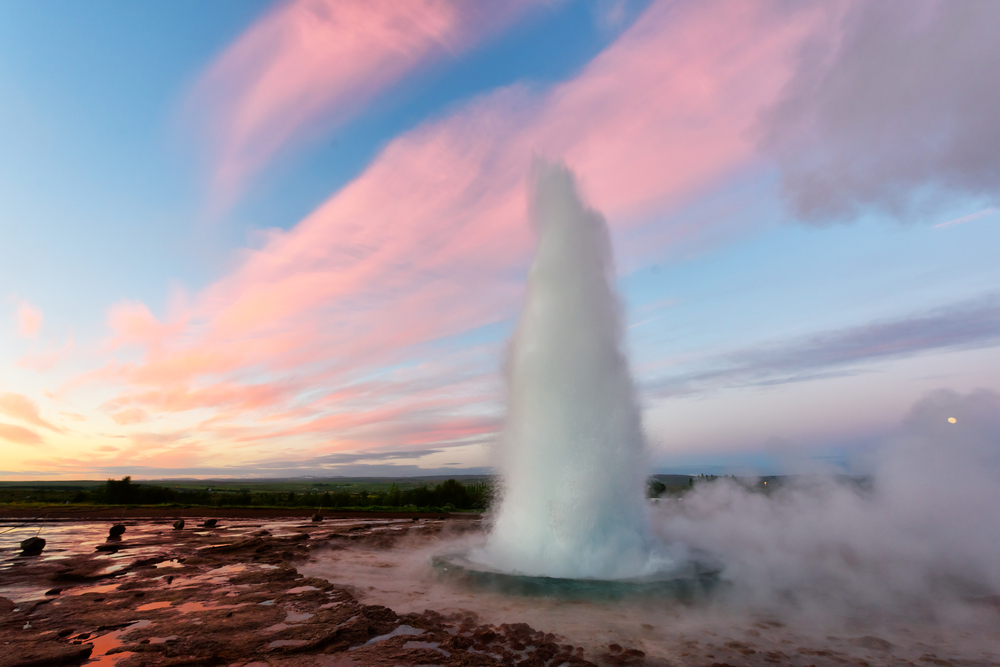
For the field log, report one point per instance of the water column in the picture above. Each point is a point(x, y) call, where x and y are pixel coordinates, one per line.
point(572, 453)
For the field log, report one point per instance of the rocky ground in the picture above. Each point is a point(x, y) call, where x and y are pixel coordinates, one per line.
point(217, 597)
point(234, 594)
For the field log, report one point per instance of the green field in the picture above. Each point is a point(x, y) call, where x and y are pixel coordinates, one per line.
point(437, 493)
point(432, 493)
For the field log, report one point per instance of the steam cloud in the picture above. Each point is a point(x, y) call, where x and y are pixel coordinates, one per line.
point(903, 100)
point(921, 540)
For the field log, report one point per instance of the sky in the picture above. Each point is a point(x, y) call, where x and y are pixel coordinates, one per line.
point(257, 239)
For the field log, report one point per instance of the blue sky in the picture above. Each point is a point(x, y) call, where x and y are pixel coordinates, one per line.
point(256, 238)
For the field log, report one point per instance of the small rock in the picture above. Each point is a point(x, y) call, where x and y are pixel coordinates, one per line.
point(317, 517)
point(32, 545)
point(179, 524)
point(116, 530)
point(209, 523)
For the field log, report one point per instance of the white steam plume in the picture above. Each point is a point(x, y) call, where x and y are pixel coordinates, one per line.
point(572, 453)
point(921, 540)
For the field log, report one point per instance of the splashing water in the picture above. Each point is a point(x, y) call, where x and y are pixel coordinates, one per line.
point(572, 454)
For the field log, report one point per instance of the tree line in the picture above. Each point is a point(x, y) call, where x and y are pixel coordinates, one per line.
point(448, 495)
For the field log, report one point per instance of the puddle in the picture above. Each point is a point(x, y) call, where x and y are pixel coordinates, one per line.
point(220, 575)
point(277, 627)
point(104, 588)
point(266, 603)
point(162, 640)
point(398, 632)
point(287, 642)
point(291, 618)
point(153, 605)
point(300, 589)
point(105, 643)
point(432, 645)
point(168, 563)
point(22, 593)
point(189, 607)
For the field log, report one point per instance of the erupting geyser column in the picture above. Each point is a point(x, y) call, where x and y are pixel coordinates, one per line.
point(572, 453)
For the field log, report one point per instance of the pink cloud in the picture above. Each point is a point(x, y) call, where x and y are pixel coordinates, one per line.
point(46, 359)
point(431, 240)
point(19, 435)
point(29, 320)
point(132, 323)
point(23, 408)
point(310, 65)
point(130, 416)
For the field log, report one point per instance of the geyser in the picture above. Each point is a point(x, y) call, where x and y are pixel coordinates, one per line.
point(572, 453)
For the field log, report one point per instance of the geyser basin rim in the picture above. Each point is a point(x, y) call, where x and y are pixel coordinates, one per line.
point(687, 581)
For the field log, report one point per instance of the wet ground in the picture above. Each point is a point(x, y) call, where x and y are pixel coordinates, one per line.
point(358, 591)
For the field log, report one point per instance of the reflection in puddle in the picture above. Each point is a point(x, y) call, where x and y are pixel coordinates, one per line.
point(189, 607)
point(300, 589)
point(105, 643)
point(287, 642)
point(401, 630)
point(168, 563)
point(104, 588)
point(291, 618)
point(68, 539)
point(277, 627)
point(153, 605)
point(431, 645)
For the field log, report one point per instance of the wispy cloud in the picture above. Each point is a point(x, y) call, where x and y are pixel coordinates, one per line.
point(965, 325)
point(310, 65)
point(29, 319)
point(47, 358)
point(130, 416)
point(23, 408)
point(968, 218)
point(313, 340)
point(19, 435)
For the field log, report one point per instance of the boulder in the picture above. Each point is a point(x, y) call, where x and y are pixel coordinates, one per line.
point(32, 545)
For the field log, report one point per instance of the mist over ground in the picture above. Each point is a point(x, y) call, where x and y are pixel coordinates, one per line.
point(900, 567)
point(921, 540)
